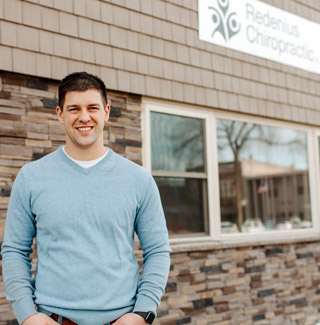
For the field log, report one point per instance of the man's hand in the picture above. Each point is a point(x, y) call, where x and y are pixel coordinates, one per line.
point(39, 319)
point(129, 319)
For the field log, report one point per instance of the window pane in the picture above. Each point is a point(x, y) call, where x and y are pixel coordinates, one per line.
point(263, 177)
point(184, 204)
point(177, 143)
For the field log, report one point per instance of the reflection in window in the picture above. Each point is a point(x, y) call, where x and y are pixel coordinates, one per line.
point(178, 166)
point(182, 199)
point(177, 143)
point(263, 177)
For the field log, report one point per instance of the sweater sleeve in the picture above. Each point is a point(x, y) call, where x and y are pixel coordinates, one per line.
point(16, 249)
point(153, 235)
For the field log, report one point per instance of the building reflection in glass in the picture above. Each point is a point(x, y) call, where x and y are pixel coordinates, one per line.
point(263, 177)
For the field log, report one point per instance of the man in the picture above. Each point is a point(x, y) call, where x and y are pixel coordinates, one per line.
point(83, 203)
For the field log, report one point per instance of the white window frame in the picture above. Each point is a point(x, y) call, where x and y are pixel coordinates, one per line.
point(313, 177)
point(214, 216)
point(184, 111)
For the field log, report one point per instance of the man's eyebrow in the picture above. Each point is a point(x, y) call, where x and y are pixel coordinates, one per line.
point(97, 104)
point(75, 105)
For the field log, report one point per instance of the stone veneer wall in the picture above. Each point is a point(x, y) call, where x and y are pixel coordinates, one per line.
point(276, 283)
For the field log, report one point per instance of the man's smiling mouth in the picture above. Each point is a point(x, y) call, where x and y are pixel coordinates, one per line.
point(84, 128)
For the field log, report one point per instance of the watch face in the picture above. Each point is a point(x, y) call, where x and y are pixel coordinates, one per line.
point(150, 317)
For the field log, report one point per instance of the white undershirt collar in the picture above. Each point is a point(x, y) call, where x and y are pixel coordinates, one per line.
point(85, 163)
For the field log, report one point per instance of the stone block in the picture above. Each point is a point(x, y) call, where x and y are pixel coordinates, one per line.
point(187, 289)
point(172, 300)
point(38, 143)
point(202, 303)
point(298, 317)
point(15, 151)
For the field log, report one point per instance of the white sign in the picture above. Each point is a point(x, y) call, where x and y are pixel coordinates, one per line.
point(253, 27)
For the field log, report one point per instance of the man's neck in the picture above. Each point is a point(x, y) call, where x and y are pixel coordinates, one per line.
point(85, 154)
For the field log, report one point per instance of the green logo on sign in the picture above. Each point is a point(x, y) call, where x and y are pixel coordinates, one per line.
point(225, 23)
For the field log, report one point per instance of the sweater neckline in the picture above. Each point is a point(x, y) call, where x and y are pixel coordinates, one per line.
point(83, 170)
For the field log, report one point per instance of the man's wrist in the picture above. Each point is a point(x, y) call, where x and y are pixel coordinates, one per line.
point(148, 316)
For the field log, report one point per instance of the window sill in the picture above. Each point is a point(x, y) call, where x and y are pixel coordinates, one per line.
point(241, 242)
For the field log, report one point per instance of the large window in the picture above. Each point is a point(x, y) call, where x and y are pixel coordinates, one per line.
point(263, 177)
point(179, 167)
point(222, 175)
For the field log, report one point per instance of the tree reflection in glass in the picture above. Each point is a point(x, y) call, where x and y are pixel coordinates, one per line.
point(263, 177)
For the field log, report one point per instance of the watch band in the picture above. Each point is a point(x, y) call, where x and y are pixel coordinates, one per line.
point(148, 316)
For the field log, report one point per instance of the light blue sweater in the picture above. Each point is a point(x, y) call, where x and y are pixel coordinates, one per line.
point(84, 222)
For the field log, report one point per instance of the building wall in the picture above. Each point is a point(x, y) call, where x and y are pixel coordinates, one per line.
point(273, 282)
point(152, 48)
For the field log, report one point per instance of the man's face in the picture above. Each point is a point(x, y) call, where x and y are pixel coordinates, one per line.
point(83, 117)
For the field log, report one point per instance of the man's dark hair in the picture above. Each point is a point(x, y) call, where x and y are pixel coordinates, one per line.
point(81, 81)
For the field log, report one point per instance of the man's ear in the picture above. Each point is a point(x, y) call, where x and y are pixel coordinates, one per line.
point(59, 113)
point(107, 111)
